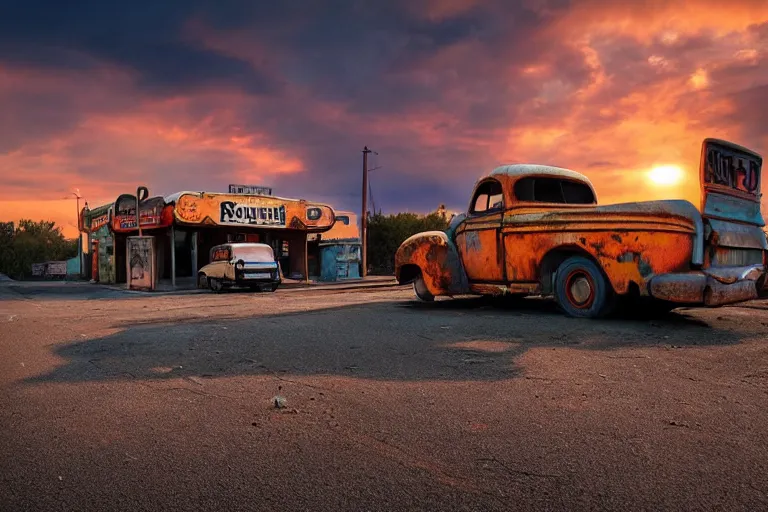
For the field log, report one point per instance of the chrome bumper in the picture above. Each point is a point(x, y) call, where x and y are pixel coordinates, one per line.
point(711, 287)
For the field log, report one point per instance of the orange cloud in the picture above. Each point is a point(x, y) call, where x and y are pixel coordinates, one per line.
point(154, 142)
point(662, 20)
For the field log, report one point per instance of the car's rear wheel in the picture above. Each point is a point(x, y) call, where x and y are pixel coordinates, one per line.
point(421, 290)
point(582, 290)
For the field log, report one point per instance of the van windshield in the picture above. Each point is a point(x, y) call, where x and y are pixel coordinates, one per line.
point(253, 253)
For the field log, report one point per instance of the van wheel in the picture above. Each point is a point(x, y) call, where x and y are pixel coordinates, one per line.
point(421, 290)
point(215, 285)
point(582, 290)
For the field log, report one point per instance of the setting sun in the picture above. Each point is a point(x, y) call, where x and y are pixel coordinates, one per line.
point(666, 175)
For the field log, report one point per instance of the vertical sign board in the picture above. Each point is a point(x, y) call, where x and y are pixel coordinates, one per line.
point(141, 262)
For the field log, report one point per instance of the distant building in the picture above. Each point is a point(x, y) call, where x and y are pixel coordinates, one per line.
point(310, 240)
point(444, 213)
point(340, 249)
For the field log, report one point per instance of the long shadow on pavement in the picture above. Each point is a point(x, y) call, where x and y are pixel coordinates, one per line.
point(461, 339)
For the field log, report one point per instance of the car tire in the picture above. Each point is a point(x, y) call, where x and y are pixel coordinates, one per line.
point(274, 287)
point(421, 290)
point(215, 285)
point(582, 290)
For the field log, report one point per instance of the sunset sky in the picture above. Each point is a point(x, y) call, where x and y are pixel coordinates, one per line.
point(194, 95)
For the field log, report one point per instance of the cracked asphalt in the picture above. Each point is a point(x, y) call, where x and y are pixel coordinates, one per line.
point(111, 401)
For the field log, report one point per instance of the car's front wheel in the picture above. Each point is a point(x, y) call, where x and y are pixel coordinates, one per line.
point(215, 284)
point(421, 290)
point(582, 290)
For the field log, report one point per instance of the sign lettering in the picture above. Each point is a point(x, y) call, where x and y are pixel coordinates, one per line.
point(733, 170)
point(234, 213)
point(146, 218)
point(150, 212)
point(256, 190)
point(99, 221)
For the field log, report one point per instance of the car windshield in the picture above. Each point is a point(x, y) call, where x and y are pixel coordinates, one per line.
point(253, 253)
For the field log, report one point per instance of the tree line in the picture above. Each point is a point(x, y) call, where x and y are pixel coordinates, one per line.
point(32, 242)
point(387, 232)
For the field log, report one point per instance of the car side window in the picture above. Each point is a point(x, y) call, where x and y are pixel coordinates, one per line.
point(221, 254)
point(488, 198)
point(553, 190)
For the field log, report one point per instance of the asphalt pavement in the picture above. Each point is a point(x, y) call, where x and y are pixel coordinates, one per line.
point(117, 401)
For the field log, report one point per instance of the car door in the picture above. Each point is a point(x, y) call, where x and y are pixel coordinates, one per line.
point(478, 239)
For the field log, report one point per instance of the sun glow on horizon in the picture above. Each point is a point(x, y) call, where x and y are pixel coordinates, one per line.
point(666, 175)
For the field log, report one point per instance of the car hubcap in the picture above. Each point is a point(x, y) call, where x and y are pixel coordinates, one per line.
point(421, 289)
point(580, 290)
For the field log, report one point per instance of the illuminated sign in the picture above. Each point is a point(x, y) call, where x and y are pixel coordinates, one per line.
point(235, 213)
point(99, 222)
point(252, 211)
point(150, 213)
point(256, 190)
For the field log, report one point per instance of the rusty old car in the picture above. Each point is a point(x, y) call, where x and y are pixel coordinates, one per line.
point(538, 230)
point(241, 265)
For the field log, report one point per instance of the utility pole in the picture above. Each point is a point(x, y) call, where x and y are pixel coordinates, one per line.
point(364, 217)
point(79, 235)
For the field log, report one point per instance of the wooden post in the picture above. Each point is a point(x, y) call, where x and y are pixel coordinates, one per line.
point(306, 259)
point(364, 218)
point(173, 257)
point(194, 255)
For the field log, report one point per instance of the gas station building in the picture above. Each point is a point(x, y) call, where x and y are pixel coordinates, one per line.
point(186, 225)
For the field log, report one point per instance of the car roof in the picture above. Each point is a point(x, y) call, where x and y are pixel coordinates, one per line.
point(518, 170)
point(245, 244)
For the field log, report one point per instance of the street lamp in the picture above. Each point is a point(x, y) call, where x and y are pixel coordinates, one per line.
point(76, 193)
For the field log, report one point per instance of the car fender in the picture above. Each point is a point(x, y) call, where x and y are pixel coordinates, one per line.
point(436, 256)
point(216, 270)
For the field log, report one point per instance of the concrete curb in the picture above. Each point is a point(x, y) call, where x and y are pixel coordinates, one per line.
point(289, 288)
point(350, 286)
